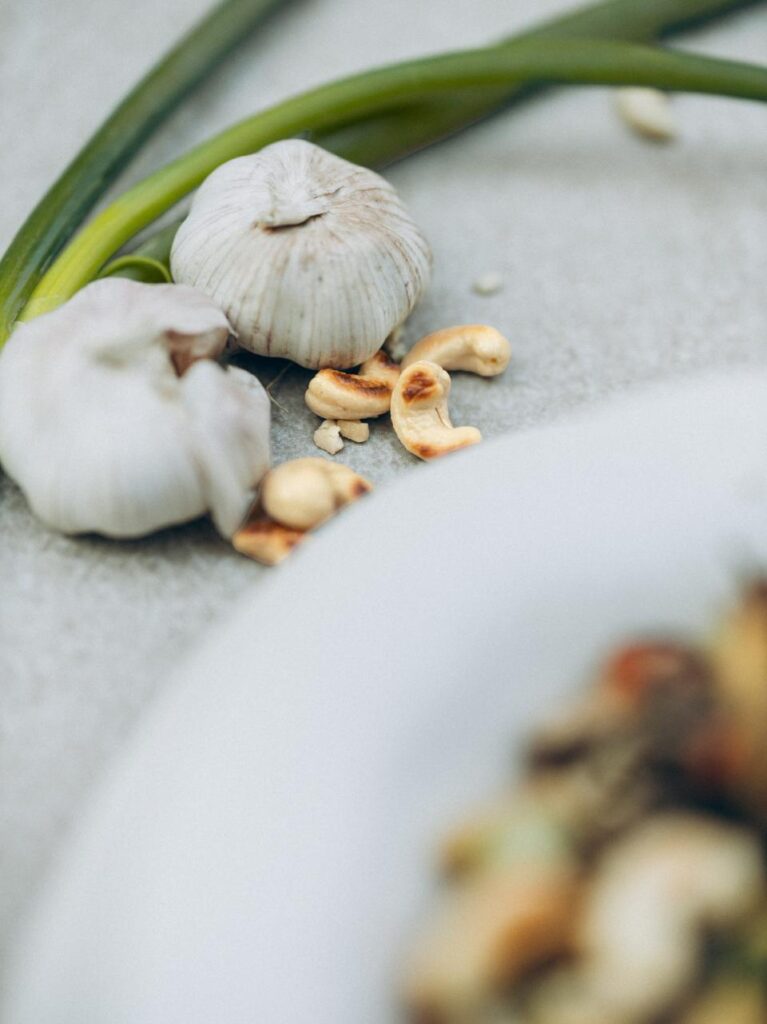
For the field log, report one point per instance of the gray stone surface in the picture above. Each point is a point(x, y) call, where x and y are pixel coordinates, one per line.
point(622, 262)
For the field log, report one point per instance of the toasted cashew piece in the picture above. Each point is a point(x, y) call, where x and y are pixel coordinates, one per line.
point(647, 111)
point(419, 413)
point(381, 366)
point(327, 436)
point(305, 492)
point(354, 430)
point(475, 348)
point(265, 540)
point(336, 395)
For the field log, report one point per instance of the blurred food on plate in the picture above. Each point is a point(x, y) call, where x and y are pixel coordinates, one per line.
point(623, 880)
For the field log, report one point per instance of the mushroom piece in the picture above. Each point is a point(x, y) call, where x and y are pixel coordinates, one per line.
point(654, 893)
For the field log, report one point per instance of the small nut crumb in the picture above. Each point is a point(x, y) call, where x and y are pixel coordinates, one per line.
point(354, 430)
point(488, 284)
point(327, 436)
point(266, 541)
point(647, 111)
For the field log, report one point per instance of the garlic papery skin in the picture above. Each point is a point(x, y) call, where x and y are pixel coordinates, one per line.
point(102, 434)
point(312, 258)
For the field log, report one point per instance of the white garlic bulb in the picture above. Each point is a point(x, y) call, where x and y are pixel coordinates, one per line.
point(103, 435)
point(312, 258)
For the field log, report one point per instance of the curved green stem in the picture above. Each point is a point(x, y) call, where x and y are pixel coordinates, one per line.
point(639, 20)
point(384, 139)
point(391, 136)
point(72, 196)
point(138, 268)
point(592, 62)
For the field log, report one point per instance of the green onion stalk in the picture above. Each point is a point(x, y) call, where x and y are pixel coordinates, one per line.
point(74, 194)
point(379, 115)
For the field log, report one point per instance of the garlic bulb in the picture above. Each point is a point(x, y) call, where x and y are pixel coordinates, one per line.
point(311, 257)
point(103, 435)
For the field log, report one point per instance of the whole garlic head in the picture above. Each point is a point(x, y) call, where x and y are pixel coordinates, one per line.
point(103, 435)
point(312, 258)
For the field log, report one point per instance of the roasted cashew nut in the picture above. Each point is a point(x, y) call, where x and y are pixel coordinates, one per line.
point(419, 413)
point(266, 541)
point(381, 366)
point(336, 395)
point(305, 492)
point(475, 348)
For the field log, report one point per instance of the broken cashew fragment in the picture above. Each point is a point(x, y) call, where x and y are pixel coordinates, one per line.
point(475, 348)
point(647, 111)
point(419, 413)
point(354, 430)
point(305, 492)
point(266, 541)
point(327, 436)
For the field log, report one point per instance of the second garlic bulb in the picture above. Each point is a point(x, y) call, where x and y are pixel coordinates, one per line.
point(312, 258)
point(114, 420)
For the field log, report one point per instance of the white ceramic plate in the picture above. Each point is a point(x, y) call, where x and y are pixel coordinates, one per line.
point(261, 850)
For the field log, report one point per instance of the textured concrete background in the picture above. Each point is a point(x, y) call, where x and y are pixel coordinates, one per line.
point(623, 262)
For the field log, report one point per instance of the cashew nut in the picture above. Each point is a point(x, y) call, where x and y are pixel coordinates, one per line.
point(327, 436)
point(647, 111)
point(333, 394)
point(475, 348)
point(336, 395)
point(354, 430)
point(381, 366)
point(305, 492)
point(265, 540)
point(419, 413)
